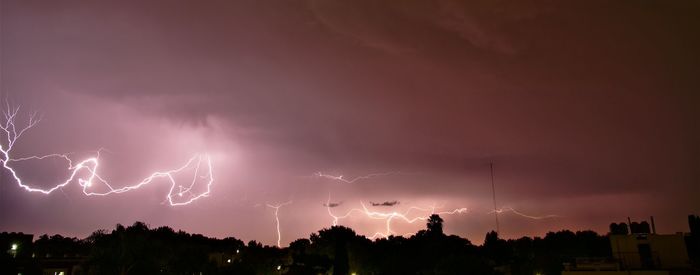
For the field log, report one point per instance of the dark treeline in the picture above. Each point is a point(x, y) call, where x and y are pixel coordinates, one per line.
point(138, 249)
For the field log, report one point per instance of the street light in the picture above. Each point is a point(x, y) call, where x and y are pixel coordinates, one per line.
point(13, 250)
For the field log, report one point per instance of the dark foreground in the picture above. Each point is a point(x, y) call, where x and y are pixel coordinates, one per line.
point(138, 249)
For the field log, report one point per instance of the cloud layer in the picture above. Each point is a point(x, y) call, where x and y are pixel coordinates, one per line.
point(592, 103)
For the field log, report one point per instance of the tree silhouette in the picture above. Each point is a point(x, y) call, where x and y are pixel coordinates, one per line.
point(335, 243)
point(619, 229)
point(435, 225)
point(138, 249)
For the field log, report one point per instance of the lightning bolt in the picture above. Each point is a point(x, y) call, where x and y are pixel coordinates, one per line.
point(388, 217)
point(511, 210)
point(12, 134)
point(341, 178)
point(277, 219)
point(337, 218)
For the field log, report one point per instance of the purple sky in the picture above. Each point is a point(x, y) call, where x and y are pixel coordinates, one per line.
point(588, 109)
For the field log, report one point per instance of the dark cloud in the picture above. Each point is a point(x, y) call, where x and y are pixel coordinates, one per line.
point(386, 203)
point(332, 204)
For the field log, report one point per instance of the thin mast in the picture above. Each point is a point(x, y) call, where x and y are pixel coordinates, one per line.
point(495, 207)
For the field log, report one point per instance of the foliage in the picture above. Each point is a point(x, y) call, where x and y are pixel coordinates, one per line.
point(138, 249)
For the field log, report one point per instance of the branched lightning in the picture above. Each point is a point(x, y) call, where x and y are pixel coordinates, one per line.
point(12, 134)
point(407, 217)
point(277, 219)
point(388, 217)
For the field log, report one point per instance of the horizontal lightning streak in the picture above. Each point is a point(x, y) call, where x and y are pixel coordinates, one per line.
point(390, 216)
point(511, 210)
point(341, 178)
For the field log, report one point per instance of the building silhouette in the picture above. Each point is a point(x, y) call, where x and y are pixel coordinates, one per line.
point(641, 251)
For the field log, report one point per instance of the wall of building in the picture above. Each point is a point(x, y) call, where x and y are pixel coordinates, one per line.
point(667, 251)
point(632, 272)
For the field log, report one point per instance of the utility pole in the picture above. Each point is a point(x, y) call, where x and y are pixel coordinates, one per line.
point(495, 207)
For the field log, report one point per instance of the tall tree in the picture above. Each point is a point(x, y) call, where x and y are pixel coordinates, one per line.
point(435, 224)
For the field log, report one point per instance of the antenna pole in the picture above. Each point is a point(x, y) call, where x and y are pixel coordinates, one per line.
point(495, 207)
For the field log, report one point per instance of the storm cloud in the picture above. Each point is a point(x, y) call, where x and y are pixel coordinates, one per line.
point(587, 110)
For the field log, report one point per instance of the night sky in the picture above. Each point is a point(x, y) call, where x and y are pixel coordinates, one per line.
point(588, 110)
